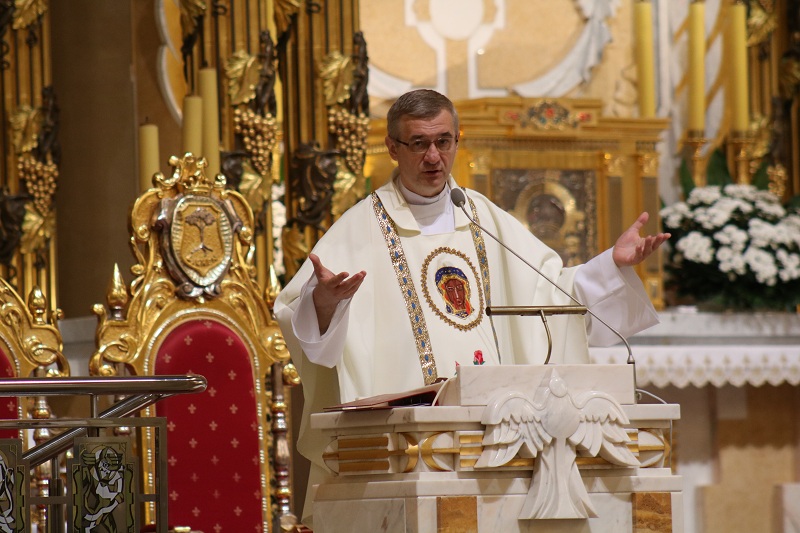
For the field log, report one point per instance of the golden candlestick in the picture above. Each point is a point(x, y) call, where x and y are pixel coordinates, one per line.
point(740, 144)
point(695, 140)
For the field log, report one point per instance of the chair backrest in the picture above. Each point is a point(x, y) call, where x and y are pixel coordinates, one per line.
point(30, 345)
point(194, 308)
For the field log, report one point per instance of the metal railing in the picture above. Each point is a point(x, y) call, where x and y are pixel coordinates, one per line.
point(138, 392)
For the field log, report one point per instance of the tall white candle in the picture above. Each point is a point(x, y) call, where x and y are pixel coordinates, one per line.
point(192, 127)
point(697, 69)
point(740, 98)
point(148, 155)
point(207, 78)
point(643, 28)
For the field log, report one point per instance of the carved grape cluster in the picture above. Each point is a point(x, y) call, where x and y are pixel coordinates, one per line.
point(351, 136)
point(259, 135)
point(41, 180)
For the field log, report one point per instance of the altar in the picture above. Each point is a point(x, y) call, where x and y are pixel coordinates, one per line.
point(513, 449)
point(735, 376)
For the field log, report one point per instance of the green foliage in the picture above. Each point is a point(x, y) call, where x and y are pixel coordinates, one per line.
point(760, 179)
point(717, 172)
point(685, 175)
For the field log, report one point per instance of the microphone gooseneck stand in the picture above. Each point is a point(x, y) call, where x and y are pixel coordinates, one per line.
point(459, 199)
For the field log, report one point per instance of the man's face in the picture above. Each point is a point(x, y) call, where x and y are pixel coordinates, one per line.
point(424, 173)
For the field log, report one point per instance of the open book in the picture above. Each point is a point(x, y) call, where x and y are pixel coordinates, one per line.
point(421, 396)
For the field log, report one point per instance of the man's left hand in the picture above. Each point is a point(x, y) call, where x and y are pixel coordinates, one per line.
point(631, 248)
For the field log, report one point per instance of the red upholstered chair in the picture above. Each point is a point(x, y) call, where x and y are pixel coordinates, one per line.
point(194, 308)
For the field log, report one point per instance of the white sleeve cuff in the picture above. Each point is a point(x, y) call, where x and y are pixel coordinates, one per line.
point(617, 296)
point(325, 349)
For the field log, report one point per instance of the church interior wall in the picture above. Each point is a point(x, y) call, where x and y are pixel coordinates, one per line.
point(734, 445)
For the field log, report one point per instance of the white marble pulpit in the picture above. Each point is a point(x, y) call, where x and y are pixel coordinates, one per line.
point(563, 448)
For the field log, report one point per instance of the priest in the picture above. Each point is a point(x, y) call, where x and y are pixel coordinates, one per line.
point(393, 296)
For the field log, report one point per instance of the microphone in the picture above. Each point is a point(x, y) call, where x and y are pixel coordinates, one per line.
point(459, 199)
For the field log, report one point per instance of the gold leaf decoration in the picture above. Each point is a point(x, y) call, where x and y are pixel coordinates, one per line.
point(789, 76)
point(347, 190)
point(760, 24)
point(190, 10)
point(26, 123)
point(284, 11)
point(26, 12)
point(37, 230)
point(253, 187)
point(259, 136)
point(242, 71)
point(336, 72)
point(295, 249)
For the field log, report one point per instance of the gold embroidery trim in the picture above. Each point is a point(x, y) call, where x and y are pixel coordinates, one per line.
point(483, 261)
point(415, 315)
point(480, 249)
point(426, 292)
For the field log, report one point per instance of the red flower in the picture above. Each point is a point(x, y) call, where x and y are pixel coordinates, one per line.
point(478, 359)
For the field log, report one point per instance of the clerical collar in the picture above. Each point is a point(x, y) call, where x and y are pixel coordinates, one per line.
point(415, 199)
point(433, 215)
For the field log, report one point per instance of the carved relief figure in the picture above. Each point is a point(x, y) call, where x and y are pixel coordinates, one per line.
point(552, 428)
point(312, 175)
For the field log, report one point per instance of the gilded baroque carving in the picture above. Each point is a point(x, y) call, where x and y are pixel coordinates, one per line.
point(35, 140)
point(549, 115)
point(193, 240)
point(761, 21)
point(27, 12)
point(285, 11)
point(35, 332)
point(295, 248)
point(251, 87)
point(345, 80)
point(12, 215)
point(311, 178)
point(191, 13)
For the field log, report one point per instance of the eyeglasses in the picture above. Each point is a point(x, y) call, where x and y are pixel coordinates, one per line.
point(421, 146)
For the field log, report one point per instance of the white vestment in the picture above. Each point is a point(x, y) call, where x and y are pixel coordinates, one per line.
point(378, 341)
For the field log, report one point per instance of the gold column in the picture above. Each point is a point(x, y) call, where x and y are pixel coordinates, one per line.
point(643, 28)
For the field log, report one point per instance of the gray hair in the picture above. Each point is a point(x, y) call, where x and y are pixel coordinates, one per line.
point(420, 103)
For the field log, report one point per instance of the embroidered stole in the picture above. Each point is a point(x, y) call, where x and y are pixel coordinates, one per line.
point(409, 292)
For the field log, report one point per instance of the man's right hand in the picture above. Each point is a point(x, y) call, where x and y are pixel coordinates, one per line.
point(330, 290)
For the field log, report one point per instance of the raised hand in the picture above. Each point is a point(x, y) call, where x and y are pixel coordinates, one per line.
point(631, 248)
point(331, 289)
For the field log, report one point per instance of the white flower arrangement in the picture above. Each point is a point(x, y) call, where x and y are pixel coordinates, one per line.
point(736, 246)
